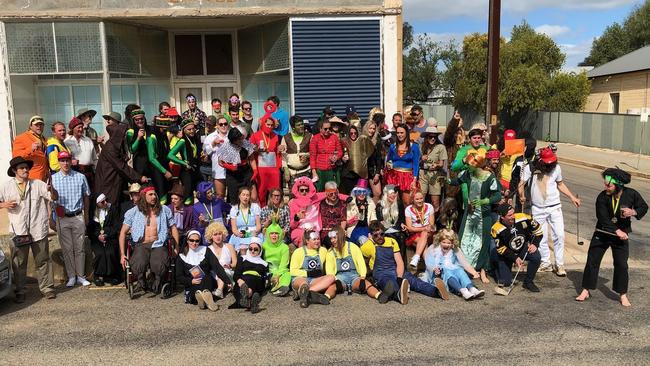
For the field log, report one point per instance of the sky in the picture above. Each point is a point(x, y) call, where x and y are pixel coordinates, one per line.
point(572, 24)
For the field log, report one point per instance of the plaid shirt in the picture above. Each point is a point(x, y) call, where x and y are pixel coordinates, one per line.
point(72, 188)
point(283, 214)
point(137, 221)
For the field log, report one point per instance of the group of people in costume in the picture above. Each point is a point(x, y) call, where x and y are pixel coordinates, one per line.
point(349, 205)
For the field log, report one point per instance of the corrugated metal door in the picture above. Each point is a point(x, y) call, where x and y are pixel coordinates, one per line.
point(336, 63)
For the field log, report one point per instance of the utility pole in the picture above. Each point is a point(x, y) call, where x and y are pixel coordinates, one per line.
point(494, 39)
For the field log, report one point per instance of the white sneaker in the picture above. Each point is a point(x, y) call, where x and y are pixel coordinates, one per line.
point(476, 292)
point(560, 271)
point(218, 293)
point(83, 281)
point(414, 261)
point(466, 294)
point(71, 282)
point(545, 267)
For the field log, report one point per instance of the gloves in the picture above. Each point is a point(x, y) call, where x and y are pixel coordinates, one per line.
point(255, 175)
point(480, 202)
point(314, 273)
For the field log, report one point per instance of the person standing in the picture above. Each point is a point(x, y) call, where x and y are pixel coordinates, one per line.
point(546, 183)
point(86, 116)
point(269, 161)
point(403, 164)
point(281, 116)
point(103, 230)
point(211, 144)
point(247, 114)
point(27, 202)
point(72, 213)
point(432, 164)
point(82, 150)
point(324, 151)
point(189, 148)
point(615, 207)
point(31, 145)
point(296, 152)
point(55, 145)
point(235, 122)
point(195, 114)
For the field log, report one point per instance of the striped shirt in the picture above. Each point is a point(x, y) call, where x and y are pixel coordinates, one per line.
point(72, 188)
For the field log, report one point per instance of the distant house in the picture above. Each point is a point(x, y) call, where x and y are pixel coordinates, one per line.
point(621, 86)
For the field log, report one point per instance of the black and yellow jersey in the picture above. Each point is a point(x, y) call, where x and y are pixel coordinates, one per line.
point(510, 241)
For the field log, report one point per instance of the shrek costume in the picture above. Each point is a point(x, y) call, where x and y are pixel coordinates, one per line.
point(277, 256)
point(481, 190)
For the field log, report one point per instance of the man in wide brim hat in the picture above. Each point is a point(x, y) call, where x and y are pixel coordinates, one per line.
point(15, 162)
point(86, 112)
point(113, 116)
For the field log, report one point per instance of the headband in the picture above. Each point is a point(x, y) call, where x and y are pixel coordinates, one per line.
point(146, 189)
point(313, 235)
point(190, 98)
point(611, 180)
point(192, 232)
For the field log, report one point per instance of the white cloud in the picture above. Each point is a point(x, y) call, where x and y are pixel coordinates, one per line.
point(442, 9)
point(575, 53)
point(552, 30)
point(443, 38)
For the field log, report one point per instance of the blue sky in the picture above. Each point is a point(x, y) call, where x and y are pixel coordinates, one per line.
point(573, 24)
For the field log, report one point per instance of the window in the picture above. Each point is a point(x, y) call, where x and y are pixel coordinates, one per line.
point(203, 54)
point(615, 102)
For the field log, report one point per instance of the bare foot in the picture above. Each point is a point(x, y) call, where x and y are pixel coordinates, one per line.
point(484, 277)
point(584, 295)
point(624, 301)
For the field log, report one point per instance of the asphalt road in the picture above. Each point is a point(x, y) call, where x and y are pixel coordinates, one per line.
point(588, 183)
point(85, 326)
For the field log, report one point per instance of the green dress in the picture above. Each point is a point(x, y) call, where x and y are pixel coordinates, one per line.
point(474, 233)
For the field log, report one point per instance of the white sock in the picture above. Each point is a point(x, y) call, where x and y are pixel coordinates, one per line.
point(415, 260)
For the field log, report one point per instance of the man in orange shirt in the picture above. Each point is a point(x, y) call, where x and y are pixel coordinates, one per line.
point(31, 145)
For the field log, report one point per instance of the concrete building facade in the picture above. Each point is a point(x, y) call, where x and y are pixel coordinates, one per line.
point(60, 56)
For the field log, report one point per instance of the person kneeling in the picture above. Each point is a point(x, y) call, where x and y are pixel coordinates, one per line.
point(345, 261)
point(448, 264)
point(198, 269)
point(516, 237)
point(387, 266)
point(307, 276)
point(250, 278)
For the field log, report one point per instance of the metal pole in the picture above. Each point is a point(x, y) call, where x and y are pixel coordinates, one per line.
point(494, 38)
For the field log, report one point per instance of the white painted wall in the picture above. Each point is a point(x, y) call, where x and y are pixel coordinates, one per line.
point(5, 107)
point(391, 58)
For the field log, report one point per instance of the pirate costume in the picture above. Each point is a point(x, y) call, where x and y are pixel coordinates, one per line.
point(609, 212)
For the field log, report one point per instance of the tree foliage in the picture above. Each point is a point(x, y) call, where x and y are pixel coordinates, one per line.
point(618, 40)
point(529, 78)
point(428, 65)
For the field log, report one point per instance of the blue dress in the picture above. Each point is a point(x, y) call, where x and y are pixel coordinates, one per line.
point(245, 224)
point(448, 263)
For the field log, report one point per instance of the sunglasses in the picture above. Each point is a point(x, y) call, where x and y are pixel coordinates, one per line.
point(326, 128)
point(255, 249)
point(223, 124)
point(248, 109)
point(303, 190)
point(277, 195)
point(193, 240)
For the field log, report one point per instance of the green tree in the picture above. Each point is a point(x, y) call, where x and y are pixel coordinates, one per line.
point(618, 40)
point(529, 77)
point(426, 65)
point(407, 35)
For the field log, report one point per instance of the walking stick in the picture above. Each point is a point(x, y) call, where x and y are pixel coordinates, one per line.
point(517, 274)
point(580, 242)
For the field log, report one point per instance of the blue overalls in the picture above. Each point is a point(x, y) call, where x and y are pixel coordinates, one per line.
point(385, 270)
point(346, 271)
point(311, 263)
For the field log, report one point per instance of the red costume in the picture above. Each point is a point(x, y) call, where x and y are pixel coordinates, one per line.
point(269, 162)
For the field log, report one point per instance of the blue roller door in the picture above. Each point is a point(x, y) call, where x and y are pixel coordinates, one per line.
point(337, 63)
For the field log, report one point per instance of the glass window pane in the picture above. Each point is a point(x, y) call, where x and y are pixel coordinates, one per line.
point(30, 47)
point(189, 54)
point(218, 54)
point(78, 46)
point(89, 96)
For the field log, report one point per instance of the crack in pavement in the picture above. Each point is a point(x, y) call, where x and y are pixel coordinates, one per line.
point(608, 331)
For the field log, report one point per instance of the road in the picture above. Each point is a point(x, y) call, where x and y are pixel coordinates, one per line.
point(86, 326)
point(588, 183)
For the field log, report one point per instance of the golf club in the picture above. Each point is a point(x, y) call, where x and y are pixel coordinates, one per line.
point(606, 232)
point(580, 242)
point(512, 285)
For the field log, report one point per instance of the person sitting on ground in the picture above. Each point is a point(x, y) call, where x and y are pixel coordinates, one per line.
point(391, 213)
point(103, 231)
point(150, 225)
point(345, 262)
point(308, 278)
point(250, 278)
point(276, 254)
point(216, 234)
point(445, 262)
point(360, 211)
point(209, 208)
point(420, 225)
point(245, 221)
point(198, 269)
point(385, 261)
point(516, 237)
point(277, 211)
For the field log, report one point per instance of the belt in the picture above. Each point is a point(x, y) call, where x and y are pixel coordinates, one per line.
point(403, 170)
point(549, 206)
point(73, 214)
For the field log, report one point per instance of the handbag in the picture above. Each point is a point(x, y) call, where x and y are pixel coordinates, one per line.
point(23, 240)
